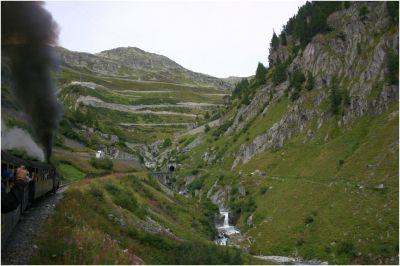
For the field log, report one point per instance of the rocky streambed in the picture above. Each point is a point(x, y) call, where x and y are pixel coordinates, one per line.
point(225, 231)
point(229, 235)
point(291, 260)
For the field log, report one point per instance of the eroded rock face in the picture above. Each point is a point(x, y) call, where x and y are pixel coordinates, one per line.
point(292, 123)
point(250, 111)
point(89, 61)
point(352, 56)
point(196, 142)
point(210, 155)
point(219, 195)
point(279, 55)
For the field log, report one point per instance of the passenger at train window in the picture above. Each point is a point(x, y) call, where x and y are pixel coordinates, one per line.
point(6, 177)
point(11, 200)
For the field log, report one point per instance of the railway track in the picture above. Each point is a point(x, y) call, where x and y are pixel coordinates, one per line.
point(20, 246)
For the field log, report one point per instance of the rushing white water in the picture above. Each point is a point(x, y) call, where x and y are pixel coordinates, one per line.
point(225, 230)
point(291, 260)
point(226, 219)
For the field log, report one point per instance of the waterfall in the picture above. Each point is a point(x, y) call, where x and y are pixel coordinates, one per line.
point(226, 219)
point(225, 230)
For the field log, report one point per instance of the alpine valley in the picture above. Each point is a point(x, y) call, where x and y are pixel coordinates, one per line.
point(302, 158)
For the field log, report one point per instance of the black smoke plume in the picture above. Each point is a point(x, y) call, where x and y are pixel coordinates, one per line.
point(29, 36)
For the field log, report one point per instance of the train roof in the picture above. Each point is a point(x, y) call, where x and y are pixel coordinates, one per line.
point(14, 159)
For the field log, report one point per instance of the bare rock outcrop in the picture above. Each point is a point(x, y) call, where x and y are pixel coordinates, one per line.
point(353, 57)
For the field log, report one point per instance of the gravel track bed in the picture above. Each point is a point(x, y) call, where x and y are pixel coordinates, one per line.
point(20, 246)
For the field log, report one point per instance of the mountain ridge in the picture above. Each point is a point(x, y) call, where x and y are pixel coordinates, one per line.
point(129, 55)
point(135, 63)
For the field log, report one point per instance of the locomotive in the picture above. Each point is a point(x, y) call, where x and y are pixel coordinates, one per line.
point(45, 180)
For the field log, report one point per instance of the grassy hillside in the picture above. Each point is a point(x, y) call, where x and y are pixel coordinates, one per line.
point(321, 196)
point(85, 129)
point(128, 219)
point(127, 93)
point(333, 197)
point(308, 153)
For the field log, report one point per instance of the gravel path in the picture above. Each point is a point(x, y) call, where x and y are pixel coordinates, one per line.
point(191, 125)
point(200, 128)
point(90, 100)
point(20, 246)
point(146, 91)
point(95, 102)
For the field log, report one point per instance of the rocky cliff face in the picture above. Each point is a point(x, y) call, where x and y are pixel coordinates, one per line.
point(136, 58)
point(134, 63)
point(353, 56)
point(91, 62)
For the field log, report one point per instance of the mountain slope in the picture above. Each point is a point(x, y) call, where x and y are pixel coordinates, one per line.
point(307, 160)
point(130, 219)
point(122, 100)
point(136, 64)
point(138, 59)
point(304, 158)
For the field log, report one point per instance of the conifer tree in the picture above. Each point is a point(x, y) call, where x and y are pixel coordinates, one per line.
point(274, 41)
point(260, 73)
point(283, 39)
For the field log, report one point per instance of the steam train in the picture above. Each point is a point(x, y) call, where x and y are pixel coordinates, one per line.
point(45, 180)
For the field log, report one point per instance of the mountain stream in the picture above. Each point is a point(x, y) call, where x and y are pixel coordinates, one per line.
point(225, 231)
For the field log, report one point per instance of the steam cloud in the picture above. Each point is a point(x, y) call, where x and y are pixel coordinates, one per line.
point(29, 35)
point(16, 138)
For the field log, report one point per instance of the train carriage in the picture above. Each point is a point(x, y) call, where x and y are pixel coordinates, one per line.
point(45, 180)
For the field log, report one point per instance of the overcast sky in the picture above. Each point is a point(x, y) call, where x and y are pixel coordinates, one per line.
point(220, 38)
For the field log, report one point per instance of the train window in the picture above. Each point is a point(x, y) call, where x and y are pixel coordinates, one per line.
point(3, 166)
